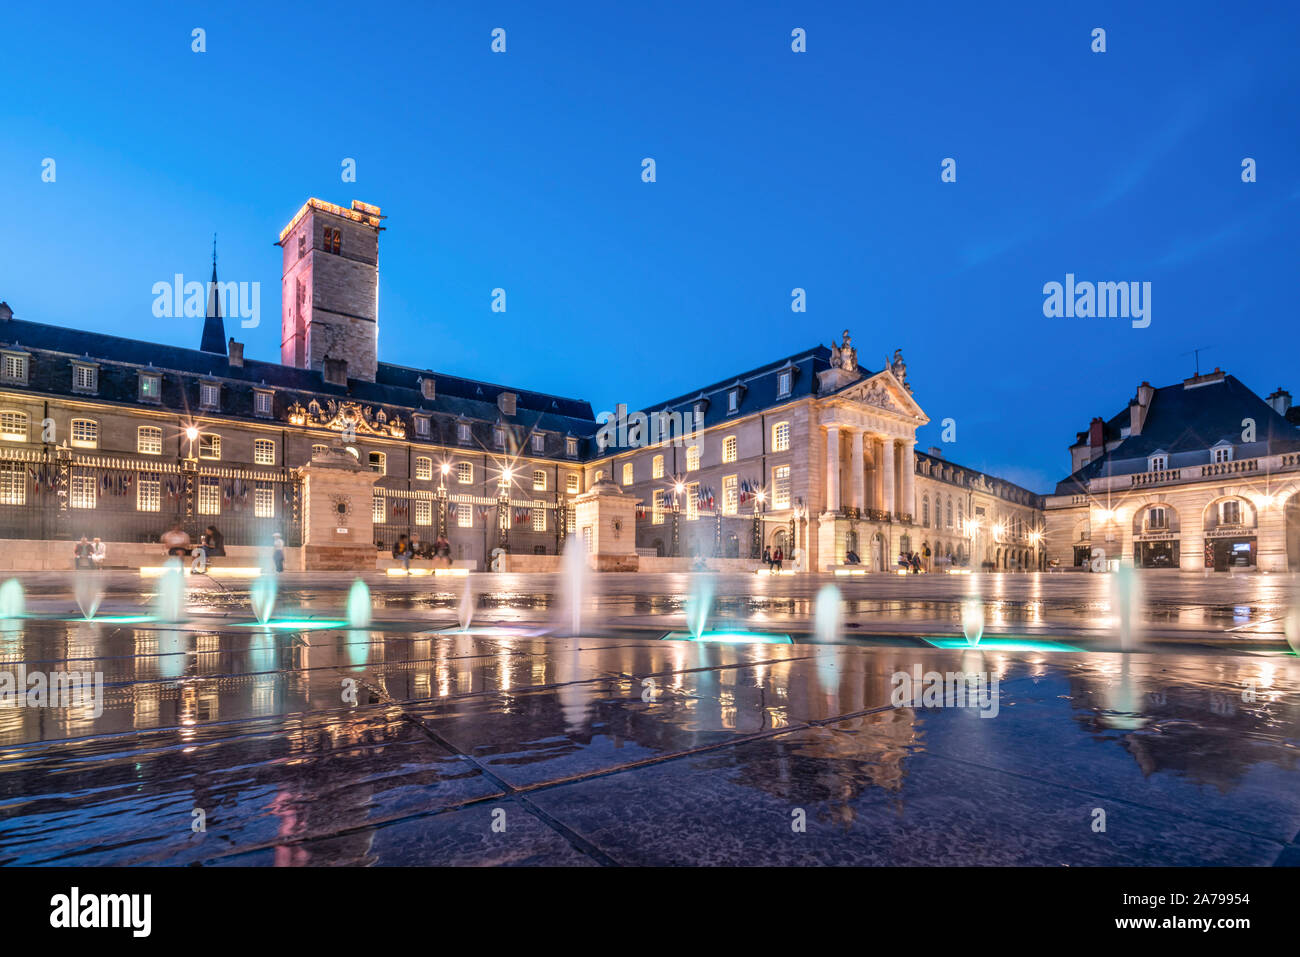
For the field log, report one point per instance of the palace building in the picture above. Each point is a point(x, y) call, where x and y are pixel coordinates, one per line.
point(812, 454)
point(1201, 474)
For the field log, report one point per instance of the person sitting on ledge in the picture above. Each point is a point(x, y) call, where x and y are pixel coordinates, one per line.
point(81, 553)
point(852, 558)
point(442, 547)
point(176, 541)
point(97, 555)
point(402, 551)
point(211, 545)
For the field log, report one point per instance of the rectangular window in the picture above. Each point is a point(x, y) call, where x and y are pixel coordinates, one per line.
point(539, 519)
point(13, 483)
point(570, 447)
point(83, 486)
point(783, 384)
point(264, 451)
point(423, 511)
point(14, 368)
point(209, 446)
point(379, 463)
point(499, 438)
point(733, 400)
point(571, 484)
point(378, 511)
point(84, 378)
point(148, 492)
point(729, 449)
point(422, 426)
point(657, 507)
point(693, 458)
point(693, 501)
point(85, 434)
point(1230, 512)
point(462, 433)
point(262, 403)
point(539, 442)
point(571, 519)
point(150, 388)
point(781, 437)
point(465, 473)
point(13, 426)
point(781, 486)
point(209, 496)
point(424, 468)
point(657, 467)
point(627, 473)
point(209, 395)
point(1223, 455)
point(264, 500)
point(464, 515)
point(1158, 463)
point(148, 440)
point(539, 480)
point(730, 495)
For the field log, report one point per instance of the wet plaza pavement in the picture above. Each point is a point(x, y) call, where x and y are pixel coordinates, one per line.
point(507, 746)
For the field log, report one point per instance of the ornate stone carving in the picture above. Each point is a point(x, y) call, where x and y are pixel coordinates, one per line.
point(899, 368)
point(843, 355)
point(878, 395)
point(339, 416)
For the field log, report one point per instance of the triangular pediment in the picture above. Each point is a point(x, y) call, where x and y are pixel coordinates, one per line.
point(883, 391)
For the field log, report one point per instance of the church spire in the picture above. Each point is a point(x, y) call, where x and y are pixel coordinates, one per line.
point(214, 330)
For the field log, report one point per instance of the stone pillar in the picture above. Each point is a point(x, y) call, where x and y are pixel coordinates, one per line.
point(856, 489)
point(887, 474)
point(832, 468)
point(877, 496)
point(1270, 537)
point(606, 516)
point(909, 478)
point(338, 532)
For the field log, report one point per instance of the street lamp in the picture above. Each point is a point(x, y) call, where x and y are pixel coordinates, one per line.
point(676, 551)
point(757, 545)
point(503, 505)
point(443, 472)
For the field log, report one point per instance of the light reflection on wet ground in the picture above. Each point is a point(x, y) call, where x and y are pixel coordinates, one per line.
point(1193, 756)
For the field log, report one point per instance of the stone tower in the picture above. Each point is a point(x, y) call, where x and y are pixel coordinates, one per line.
point(329, 294)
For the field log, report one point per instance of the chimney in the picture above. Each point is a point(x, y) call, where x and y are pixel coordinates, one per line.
point(335, 371)
point(506, 403)
point(1139, 407)
point(5, 312)
point(1097, 435)
point(1279, 400)
point(426, 388)
point(235, 351)
point(936, 451)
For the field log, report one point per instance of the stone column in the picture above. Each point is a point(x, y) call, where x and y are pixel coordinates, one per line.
point(909, 478)
point(832, 468)
point(887, 473)
point(856, 488)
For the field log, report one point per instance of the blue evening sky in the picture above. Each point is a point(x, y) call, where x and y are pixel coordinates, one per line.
point(775, 170)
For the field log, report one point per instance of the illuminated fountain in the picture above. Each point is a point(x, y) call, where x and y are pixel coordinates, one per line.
point(699, 606)
point(1125, 598)
point(261, 594)
point(359, 609)
point(12, 604)
point(465, 612)
point(828, 615)
point(1291, 624)
point(88, 589)
point(574, 579)
point(169, 603)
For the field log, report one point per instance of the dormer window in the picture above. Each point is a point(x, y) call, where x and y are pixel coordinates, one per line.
point(571, 446)
point(462, 433)
point(209, 395)
point(85, 378)
point(499, 437)
point(1157, 462)
point(263, 402)
point(150, 387)
point(1221, 453)
point(13, 367)
point(422, 426)
point(733, 401)
point(784, 383)
point(539, 442)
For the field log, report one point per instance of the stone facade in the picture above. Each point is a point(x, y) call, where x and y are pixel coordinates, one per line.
point(338, 529)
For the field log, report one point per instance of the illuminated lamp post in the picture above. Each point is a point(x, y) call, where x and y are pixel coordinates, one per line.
point(503, 514)
point(676, 550)
point(757, 548)
point(444, 471)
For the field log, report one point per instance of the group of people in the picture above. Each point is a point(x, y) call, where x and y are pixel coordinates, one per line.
point(914, 561)
point(404, 549)
point(212, 544)
point(89, 554)
point(773, 559)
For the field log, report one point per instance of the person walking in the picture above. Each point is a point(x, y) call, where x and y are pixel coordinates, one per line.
point(277, 552)
point(402, 552)
point(777, 557)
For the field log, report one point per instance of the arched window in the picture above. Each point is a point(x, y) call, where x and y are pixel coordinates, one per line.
point(423, 468)
point(148, 440)
point(949, 522)
point(657, 467)
point(925, 511)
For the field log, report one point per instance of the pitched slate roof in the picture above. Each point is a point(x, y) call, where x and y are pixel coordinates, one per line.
point(997, 486)
point(55, 348)
point(1185, 423)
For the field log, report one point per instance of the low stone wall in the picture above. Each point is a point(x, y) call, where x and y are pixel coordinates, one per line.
point(31, 555)
point(531, 564)
point(720, 565)
point(385, 561)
